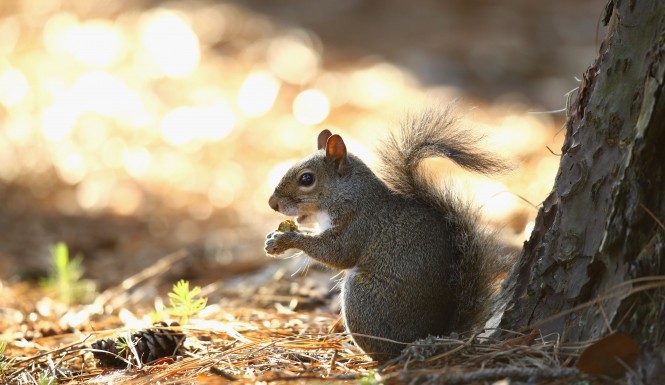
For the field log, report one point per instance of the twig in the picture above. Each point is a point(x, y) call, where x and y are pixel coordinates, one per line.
point(36, 357)
point(333, 360)
point(223, 373)
point(495, 374)
point(551, 151)
point(452, 351)
point(336, 377)
point(653, 216)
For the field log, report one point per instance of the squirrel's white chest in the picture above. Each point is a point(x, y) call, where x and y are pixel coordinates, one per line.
point(323, 219)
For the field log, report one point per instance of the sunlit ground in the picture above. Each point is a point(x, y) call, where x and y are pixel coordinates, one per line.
point(147, 135)
point(199, 107)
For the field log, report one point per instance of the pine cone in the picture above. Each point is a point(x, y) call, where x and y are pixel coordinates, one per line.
point(108, 354)
point(154, 344)
point(150, 345)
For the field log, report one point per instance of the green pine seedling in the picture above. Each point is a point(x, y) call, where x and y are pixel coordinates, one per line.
point(184, 302)
point(68, 271)
point(4, 362)
point(122, 345)
point(65, 276)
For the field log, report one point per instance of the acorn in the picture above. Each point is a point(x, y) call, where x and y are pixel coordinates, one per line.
point(288, 225)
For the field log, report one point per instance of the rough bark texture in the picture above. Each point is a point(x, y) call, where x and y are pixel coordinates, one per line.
point(596, 230)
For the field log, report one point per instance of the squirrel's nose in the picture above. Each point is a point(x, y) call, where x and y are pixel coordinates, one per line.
point(273, 203)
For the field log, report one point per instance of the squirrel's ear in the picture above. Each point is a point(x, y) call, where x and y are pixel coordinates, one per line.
point(336, 150)
point(323, 138)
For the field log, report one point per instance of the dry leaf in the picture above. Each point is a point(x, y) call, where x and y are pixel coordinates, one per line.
point(609, 356)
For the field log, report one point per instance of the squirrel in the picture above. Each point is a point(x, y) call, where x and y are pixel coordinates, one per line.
point(416, 260)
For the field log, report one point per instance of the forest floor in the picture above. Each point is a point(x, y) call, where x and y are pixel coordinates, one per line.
point(264, 327)
point(198, 211)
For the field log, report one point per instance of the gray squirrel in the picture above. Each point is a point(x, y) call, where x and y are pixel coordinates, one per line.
point(416, 260)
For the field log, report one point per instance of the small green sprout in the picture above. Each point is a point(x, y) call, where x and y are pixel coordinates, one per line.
point(4, 362)
point(371, 378)
point(122, 345)
point(184, 302)
point(65, 276)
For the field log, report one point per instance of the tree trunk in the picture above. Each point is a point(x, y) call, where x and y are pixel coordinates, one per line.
point(600, 229)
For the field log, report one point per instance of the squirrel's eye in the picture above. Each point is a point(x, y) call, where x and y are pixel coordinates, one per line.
point(306, 179)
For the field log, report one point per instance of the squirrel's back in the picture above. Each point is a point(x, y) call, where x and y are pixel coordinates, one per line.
point(436, 133)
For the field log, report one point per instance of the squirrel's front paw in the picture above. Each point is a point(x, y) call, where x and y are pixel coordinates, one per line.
point(278, 242)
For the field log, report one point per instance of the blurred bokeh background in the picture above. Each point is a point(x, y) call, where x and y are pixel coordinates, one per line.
point(129, 129)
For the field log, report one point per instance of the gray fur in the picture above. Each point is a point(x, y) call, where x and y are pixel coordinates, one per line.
point(428, 134)
point(416, 261)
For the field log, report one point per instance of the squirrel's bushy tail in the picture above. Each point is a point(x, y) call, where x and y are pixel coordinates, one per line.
point(429, 134)
point(435, 133)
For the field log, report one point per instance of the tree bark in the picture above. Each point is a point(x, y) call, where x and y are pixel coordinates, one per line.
point(597, 236)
